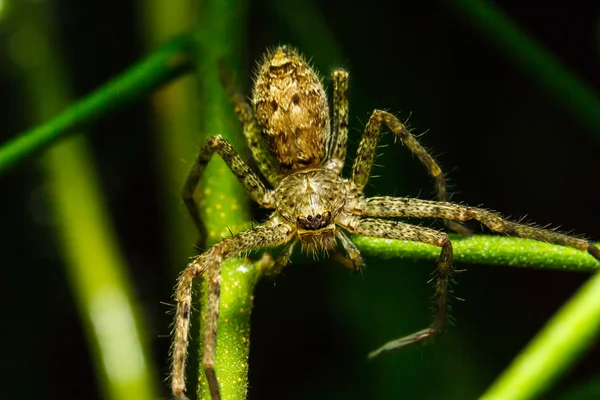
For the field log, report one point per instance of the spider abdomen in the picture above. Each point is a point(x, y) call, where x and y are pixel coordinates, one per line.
point(291, 107)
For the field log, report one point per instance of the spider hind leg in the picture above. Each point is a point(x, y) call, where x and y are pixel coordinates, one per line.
point(401, 231)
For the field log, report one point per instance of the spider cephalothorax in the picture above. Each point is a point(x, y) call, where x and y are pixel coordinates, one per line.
point(301, 155)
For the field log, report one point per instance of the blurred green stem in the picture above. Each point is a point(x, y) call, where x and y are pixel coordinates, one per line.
point(170, 61)
point(95, 268)
point(565, 86)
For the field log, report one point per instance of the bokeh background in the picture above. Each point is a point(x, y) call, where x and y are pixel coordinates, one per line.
point(509, 138)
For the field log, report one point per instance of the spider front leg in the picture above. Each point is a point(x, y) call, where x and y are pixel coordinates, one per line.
point(397, 230)
point(209, 263)
point(407, 207)
point(282, 260)
point(254, 186)
point(361, 170)
point(353, 259)
point(339, 138)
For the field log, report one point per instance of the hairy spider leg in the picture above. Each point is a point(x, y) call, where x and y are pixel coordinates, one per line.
point(271, 234)
point(398, 230)
point(406, 207)
point(254, 186)
point(252, 132)
point(282, 260)
point(363, 162)
point(386, 206)
point(339, 137)
point(353, 259)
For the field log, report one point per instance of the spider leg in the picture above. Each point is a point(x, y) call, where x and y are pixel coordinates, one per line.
point(339, 138)
point(353, 259)
point(254, 186)
point(209, 264)
point(252, 132)
point(361, 170)
point(407, 207)
point(283, 259)
point(397, 230)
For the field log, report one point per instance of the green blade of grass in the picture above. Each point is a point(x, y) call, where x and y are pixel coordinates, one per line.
point(569, 90)
point(554, 349)
point(167, 63)
point(94, 265)
point(97, 275)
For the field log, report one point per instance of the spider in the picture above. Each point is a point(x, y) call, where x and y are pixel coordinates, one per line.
point(301, 153)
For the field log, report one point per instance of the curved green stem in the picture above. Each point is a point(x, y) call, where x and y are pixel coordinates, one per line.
point(169, 62)
point(554, 349)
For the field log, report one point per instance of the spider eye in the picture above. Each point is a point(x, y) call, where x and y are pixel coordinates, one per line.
point(314, 222)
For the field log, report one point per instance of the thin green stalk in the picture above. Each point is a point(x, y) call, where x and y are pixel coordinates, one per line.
point(97, 274)
point(532, 56)
point(223, 202)
point(554, 349)
point(484, 249)
point(169, 62)
point(238, 279)
point(94, 265)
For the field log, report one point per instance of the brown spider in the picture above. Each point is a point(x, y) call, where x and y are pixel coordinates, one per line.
point(298, 152)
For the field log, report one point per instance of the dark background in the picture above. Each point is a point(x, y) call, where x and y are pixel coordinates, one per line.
point(505, 141)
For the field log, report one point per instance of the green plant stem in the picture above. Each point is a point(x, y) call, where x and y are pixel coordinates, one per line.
point(169, 62)
point(532, 56)
point(223, 201)
point(97, 275)
point(238, 279)
point(554, 349)
point(485, 249)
